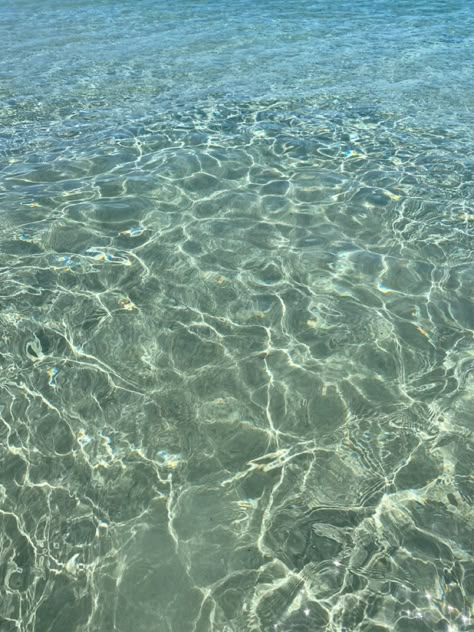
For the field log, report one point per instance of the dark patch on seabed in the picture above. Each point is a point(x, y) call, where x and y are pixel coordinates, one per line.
point(236, 350)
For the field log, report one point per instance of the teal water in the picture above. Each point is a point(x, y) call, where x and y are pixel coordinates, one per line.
point(236, 344)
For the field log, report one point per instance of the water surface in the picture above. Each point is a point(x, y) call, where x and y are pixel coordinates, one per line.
point(237, 387)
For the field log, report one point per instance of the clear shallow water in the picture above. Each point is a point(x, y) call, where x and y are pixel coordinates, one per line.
point(237, 350)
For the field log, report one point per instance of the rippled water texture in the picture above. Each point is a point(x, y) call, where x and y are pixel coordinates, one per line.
point(236, 343)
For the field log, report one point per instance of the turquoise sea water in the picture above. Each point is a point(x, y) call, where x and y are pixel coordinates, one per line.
point(236, 342)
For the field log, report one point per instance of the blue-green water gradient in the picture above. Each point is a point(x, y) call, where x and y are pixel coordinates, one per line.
point(236, 316)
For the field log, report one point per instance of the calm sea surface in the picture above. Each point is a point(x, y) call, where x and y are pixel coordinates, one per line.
point(236, 316)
